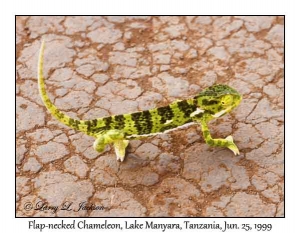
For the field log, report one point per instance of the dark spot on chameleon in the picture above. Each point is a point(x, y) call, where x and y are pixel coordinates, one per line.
point(219, 143)
point(165, 113)
point(59, 114)
point(199, 115)
point(186, 108)
point(71, 121)
point(210, 142)
point(204, 102)
point(119, 121)
point(136, 115)
point(142, 122)
point(76, 123)
point(209, 112)
point(94, 122)
point(88, 124)
point(107, 121)
point(209, 102)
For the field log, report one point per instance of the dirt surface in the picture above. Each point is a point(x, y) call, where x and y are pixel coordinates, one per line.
point(98, 66)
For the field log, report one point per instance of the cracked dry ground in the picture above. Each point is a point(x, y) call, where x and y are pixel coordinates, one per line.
point(98, 66)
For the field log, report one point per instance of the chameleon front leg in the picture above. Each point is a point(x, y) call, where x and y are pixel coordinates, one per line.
point(112, 136)
point(227, 142)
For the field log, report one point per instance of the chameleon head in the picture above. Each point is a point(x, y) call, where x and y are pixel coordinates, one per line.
point(218, 99)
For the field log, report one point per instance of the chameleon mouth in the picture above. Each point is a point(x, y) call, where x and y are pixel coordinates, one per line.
point(218, 114)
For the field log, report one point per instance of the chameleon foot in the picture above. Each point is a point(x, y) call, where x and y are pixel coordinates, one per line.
point(232, 146)
point(120, 148)
point(112, 136)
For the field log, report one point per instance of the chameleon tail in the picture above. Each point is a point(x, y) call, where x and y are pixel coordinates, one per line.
point(103, 138)
point(63, 118)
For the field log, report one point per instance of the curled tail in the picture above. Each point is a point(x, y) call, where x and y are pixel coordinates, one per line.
point(83, 126)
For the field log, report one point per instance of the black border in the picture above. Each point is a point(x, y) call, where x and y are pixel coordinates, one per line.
point(194, 217)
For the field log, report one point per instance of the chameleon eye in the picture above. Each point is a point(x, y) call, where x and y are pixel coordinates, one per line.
point(223, 102)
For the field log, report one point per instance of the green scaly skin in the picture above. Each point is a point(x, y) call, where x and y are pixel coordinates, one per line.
point(211, 103)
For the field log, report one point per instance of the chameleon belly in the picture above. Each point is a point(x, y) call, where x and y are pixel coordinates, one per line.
point(212, 102)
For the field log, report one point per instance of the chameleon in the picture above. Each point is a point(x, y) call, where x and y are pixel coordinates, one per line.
point(211, 103)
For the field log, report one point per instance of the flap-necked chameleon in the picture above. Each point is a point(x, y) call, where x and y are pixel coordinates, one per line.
point(211, 103)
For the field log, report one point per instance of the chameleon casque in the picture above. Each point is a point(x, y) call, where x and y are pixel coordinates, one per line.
point(211, 103)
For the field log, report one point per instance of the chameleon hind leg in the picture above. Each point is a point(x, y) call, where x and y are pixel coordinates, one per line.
point(112, 136)
point(120, 148)
point(227, 142)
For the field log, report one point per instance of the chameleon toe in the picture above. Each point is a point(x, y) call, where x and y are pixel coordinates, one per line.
point(234, 149)
point(232, 146)
point(120, 149)
point(229, 138)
